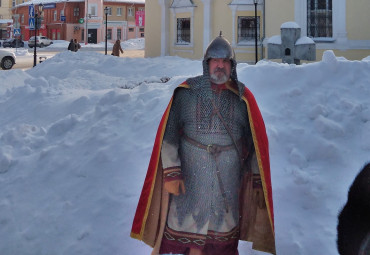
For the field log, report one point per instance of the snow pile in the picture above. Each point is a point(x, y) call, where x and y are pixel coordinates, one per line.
point(76, 133)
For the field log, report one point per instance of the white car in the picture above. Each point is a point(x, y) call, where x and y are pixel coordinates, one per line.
point(41, 41)
point(7, 59)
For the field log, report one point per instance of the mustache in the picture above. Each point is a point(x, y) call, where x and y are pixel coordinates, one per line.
point(218, 69)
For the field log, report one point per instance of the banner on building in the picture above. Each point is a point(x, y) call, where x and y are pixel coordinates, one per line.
point(140, 18)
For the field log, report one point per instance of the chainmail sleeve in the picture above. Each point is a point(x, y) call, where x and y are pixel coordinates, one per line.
point(170, 146)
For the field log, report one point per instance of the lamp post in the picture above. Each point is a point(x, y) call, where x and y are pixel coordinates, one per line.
point(86, 21)
point(106, 10)
point(255, 27)
point(37, 26)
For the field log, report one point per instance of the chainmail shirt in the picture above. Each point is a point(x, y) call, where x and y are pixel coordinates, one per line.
point(202, 208)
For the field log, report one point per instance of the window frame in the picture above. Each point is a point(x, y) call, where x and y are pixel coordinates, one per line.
point(119, 11)
point(319, 20)
point(248, 40)
point(130, 12)
point(76, 11)
point(182, 12)
point(55, 15)
point(183, 36)
point(61, 13)
point(109, 34)
point(119, 34)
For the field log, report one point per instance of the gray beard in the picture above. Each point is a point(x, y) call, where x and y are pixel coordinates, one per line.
point(218, 80)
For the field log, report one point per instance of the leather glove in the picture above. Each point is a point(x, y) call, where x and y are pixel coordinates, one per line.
point(175, 187)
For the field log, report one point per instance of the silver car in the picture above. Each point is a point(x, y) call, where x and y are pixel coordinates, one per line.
point(41, 41)
point(7, 59)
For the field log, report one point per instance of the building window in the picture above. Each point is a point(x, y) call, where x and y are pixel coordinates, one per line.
point(109, 11)
point(0, 3)
point(83, 35)
point(55, 15)
point(13, 3)
point(61, 14)
point(130, 11)
point(92, 10)
point(109, 34)
point(141, 29)
point(22, 18)
point(183, 31)
point(131, 29)
point(246, 29)
point(119, 11)
point(119, 34)
point(319, 18)
point(76, 12)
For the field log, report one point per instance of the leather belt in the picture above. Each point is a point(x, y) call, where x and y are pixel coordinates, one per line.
point(213, 149)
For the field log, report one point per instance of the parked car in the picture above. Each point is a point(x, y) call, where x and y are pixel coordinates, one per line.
point(41, 41)
point(7, 59)
point(13, 43)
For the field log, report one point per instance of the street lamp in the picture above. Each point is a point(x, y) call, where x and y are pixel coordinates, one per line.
point(37, 26)
point(255, 27)
point(106, 10)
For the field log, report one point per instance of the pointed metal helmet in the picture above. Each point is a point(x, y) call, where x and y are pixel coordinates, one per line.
point(219, 48)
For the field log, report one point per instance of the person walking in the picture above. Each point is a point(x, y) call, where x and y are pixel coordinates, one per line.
point(77, 45)
point(208, 183)
point(117, 48)
point(72, 46)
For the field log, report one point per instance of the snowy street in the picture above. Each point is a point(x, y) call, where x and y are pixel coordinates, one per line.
point(25, 56)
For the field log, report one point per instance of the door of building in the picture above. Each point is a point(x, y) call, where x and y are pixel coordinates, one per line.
point(93, 36)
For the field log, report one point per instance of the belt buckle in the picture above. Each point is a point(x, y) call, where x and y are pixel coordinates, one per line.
point(209, 146)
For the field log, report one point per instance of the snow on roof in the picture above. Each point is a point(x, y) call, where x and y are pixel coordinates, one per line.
point(290, 24)
point(304, 40)
point(276, 39)
point(182, 3)
point(36, 2)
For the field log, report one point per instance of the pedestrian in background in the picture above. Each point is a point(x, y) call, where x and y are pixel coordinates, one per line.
point(117, 48)
point(77, 45)
point(71, 46)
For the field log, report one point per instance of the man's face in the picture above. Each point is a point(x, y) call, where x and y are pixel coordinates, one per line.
point(219, 70)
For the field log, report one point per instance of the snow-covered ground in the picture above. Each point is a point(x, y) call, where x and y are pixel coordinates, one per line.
point(76, 133)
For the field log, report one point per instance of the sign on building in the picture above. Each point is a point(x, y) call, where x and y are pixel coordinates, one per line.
point(140, 18)
point(31, 11)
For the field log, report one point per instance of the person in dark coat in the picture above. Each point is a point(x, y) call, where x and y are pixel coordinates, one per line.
point(77, 45)
point(72, 46)
point(117, 48)
point(354, 219)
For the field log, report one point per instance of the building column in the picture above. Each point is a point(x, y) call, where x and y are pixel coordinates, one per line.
point(165, 23)
point(206, 24)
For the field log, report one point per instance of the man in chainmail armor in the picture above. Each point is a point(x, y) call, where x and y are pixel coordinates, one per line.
point(206, 156)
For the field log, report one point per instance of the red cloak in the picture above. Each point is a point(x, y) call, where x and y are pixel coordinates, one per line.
point(258, 227)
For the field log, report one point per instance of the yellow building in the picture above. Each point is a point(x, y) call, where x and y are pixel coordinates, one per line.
point(185, 27)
